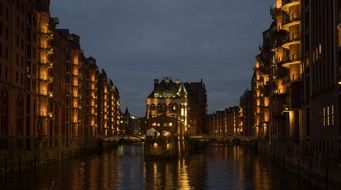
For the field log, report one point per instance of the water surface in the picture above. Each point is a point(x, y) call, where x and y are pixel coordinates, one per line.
point(218, 167)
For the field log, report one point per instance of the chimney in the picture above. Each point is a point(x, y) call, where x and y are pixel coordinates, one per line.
point(156, 83)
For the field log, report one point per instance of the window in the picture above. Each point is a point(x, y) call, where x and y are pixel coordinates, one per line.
point(1, 7)
point(6, 33)
point(339, 34)
point(328, 116)
point(20, 123)
point(7, 14)
point(324, 116)
point(332, 115)
point(4, 119)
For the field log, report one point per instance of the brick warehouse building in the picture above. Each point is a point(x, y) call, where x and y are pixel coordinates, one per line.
point(296, 87)
point(52, 97)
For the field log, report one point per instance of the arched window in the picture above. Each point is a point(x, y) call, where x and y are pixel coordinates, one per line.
point(4, 109)
point(159, 107)
point(20, 119)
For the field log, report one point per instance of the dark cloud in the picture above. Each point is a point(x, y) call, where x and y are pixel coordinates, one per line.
point(139, 40)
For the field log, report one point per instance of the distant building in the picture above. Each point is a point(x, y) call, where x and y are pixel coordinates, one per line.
point(167, 107)
point(225, 122)
point(197, 107)
point(246, 113)
point(131, 124)
point(108, 106)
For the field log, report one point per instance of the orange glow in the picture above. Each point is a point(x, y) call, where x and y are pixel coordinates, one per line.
point(75, 103)
point(43, 89)
point(93, 78)
point(75, 72)
point(339, 34)
point(75, 118)
point(75, 82)
point(257, 76)
point(266, 101)
point(258, 93)
point(266, 116)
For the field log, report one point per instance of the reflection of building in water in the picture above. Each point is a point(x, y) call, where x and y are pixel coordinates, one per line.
point(175, 174)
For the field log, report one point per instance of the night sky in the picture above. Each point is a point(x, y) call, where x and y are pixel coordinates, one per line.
point(136, 41)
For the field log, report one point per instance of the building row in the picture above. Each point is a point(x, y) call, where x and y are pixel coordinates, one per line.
point(226, 122)
point(177, 108)
point(295, 97)
point(53, 97)
point(296, 80)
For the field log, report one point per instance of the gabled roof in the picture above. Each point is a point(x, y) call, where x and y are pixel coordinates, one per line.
point(167, 88)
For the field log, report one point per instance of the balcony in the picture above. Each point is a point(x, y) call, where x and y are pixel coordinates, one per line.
point(47, 51)
point(276, 93)
point(280, 72)
point(290, 61)
point(290, 22)
point(293, 40)
point(289, 3)
point(49, 35)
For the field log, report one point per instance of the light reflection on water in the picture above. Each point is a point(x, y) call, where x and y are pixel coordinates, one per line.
point(219, 167)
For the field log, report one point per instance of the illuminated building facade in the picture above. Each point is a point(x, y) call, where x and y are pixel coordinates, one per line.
point(167, 107)
point(246, 113)
point(89, 100)
point(261, 88)
point(296, 84)
point(225, 122)
point(49, 91)
point(286, 72)
point(109, 109)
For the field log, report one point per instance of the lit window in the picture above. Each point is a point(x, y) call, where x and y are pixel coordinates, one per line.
point(328, 116)
point(339, 34)
point(320, 49)
point(332, 114)
point(324, 116)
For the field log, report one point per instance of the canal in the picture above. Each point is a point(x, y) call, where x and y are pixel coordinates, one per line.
point(218, 167)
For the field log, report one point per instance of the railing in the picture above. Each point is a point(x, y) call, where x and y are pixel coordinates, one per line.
point(284, 2)
point(287, 19)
